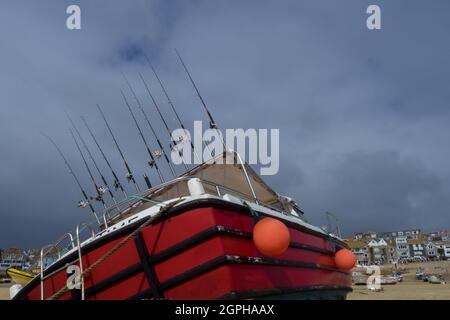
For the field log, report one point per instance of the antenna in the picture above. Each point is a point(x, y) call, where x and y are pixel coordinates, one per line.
point(107, 188)
point(170, 103)
point(162, 118)
point(117, 184)
point(152, 163)
point(129, 175)
point(82, 203)
point(99, 190)
point(151, 127)
point(329, 214)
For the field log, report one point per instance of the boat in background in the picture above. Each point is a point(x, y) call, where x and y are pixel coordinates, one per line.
point(436, 279)
point(389, 280)
point(19, 277)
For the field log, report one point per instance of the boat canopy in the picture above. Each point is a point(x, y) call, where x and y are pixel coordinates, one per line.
point(224, 174)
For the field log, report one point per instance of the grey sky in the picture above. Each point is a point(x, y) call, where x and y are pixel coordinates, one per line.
point(363, 115)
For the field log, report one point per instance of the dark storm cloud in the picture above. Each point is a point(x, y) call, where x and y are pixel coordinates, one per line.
point(380, 191)
point(363, 115)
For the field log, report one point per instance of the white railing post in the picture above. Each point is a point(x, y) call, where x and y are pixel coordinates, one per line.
point(80, 257)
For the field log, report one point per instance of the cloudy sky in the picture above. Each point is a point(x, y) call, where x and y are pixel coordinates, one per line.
point(363, 115)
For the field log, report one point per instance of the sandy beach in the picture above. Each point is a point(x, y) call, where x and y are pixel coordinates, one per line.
point(4, 291)
point(408, 289)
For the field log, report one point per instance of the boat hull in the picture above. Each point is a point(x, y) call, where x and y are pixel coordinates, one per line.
point(202, 250)
point(19, 276)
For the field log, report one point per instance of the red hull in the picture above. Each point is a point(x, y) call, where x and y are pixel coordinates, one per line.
point(201, 252)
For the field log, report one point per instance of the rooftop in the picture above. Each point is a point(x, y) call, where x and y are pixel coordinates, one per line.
point(356, 244)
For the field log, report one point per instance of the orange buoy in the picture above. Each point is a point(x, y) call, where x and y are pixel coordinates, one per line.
point(345, 259)
point(271, 236)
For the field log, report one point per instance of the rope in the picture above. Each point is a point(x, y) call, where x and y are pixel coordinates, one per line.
point(147, 200)
point(131, 236)
point(255, 215)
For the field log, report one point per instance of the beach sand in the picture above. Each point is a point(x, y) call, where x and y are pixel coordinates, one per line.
point(4, 291)
point(406, 290)
point(410, 288)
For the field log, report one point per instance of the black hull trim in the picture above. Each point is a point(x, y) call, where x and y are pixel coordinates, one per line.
point(193, 241)
point(300, 293)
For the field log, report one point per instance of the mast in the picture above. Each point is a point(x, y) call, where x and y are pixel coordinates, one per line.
point(99, 190)
point(162, 118)
point(82, 203)
point(117, 183)
point(129, 175)
point(92, 159)
point(151, 127)
point(170, 103)
point(152, 163)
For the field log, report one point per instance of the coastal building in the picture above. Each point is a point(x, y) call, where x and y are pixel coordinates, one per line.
point(443, 249)
point(402, 248)
point(373, 251)
point(391, 251)
point(361, 251)
point(378, 251)
point(447, 251)
point(11, 258)
point(431, 251)
point(366, 235)
point(410, 234)
point(358, 236)
point(416, 249)
point(439, 236)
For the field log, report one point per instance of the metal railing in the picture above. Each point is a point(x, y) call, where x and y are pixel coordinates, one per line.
point(80, 257)
point(219, 191)
point(133, 200)
point(46, 250)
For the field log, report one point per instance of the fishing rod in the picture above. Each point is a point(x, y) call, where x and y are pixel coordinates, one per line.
point(152, 163)
point(82, 203)
point(162, 118)
point(171, 104)
point(117, 183)
point(129, 175)
point(162, 152)
point(212, 123)
point(100, 190)
point(106, 187)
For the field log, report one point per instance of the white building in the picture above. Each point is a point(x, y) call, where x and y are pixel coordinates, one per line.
point(377, 249)
point(401, 243)
point(431, 250)
point(443, 249)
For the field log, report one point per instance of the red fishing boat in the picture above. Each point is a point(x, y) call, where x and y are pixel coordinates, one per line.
point(192, 238)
